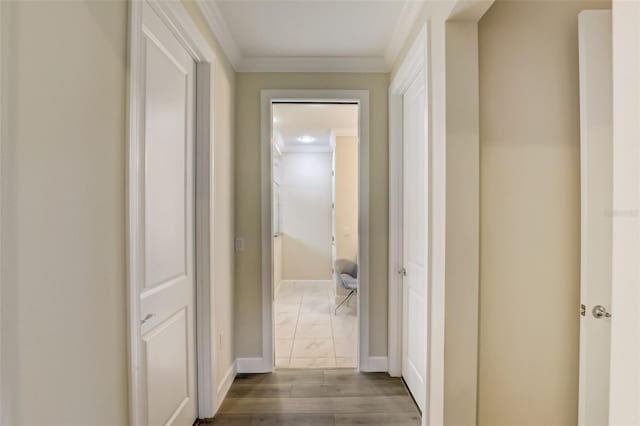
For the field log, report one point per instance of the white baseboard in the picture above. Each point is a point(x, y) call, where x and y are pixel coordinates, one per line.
point(225, 385)
point(251, 365)
point(376, 364)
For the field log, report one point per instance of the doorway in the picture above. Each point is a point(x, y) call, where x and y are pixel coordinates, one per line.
point(169, 212)
point(315, 238)
point(410, 322)
point(301, 188)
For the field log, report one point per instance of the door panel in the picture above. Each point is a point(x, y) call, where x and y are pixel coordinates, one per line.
point(165, 172)
point(167, 305)
point(596, 146)
point(415, 237)
point(167, 353)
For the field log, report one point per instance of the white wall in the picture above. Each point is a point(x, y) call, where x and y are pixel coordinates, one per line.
point(305, 194)
point(625, 326)
point(346, 197)
point(64, 316)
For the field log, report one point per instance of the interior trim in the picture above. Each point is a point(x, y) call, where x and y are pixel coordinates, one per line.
point(267, 97)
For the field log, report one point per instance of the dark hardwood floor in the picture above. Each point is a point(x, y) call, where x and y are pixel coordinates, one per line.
point(317, 398)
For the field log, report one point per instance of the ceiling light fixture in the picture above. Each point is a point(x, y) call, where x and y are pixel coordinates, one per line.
point(306, 139)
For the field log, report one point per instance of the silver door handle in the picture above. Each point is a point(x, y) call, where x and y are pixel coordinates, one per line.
point(403, 272)
point(147, 318)
point(600, 311)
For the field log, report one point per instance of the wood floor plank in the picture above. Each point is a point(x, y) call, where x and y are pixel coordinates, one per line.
point(272, 420)
point(338, 377)
point(283, 377)
point(378, 419)
point(362, 389)
point(240, 390)
point(317, 398)
point(351, 404)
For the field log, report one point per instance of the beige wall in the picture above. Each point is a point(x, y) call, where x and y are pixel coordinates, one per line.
point(248, 263)
point(63, 281)
point(530, 212)
point(223, 197)
point(64, 336)
point(462, 227)
point(346, 170)
point(305, 201)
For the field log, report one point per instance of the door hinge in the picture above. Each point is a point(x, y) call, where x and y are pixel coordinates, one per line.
point(583, 310)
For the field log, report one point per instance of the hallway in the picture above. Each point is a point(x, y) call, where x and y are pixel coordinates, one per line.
point(190, 190)
point(317, 398)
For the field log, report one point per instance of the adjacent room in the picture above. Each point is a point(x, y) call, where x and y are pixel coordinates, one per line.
point(315, 234)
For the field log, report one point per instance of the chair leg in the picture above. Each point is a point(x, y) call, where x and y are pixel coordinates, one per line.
point(346, 299)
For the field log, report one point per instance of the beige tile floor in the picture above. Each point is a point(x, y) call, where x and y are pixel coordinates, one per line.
point(308, 334)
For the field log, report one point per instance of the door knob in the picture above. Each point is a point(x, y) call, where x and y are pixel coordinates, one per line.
point(403, 272)
point(147, 318)
point(600, 311)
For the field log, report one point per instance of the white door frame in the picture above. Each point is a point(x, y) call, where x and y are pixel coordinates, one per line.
point(415, 62)
point(267, 97)
point(592, 25)
point(3, 140)
point(181, 24)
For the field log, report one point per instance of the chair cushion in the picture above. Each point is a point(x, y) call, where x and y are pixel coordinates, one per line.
point(349, 282)
point(345, 266)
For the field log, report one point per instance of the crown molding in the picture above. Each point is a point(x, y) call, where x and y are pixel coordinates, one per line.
point(312, 64)
point(218, 26)
point(408, 15)
point(220, 30)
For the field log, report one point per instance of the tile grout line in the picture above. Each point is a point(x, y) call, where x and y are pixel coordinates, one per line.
point(333, 337)
point(295, 330)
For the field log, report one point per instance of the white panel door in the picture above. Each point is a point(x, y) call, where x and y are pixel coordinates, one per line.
point(167, 305)
point(596, 146)
point(415, 235)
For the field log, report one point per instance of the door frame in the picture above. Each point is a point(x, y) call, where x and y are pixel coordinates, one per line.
point(184, 28)
point(588, 26)
point(267, 97)
point(415, 63)
point(4, 67)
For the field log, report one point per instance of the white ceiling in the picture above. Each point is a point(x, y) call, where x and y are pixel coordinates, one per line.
point(311, 35)
point(292, 121)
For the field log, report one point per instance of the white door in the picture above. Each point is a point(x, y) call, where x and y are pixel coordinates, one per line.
point(415, 234)
point(167, 386)
point(596, 146)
